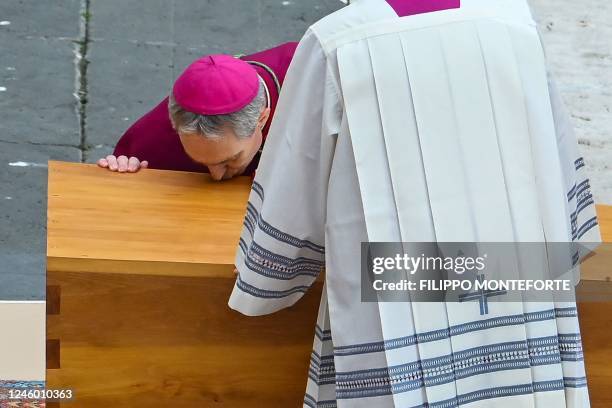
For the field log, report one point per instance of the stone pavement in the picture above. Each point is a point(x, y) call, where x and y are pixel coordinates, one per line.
point(75, 73)
point(578, 40)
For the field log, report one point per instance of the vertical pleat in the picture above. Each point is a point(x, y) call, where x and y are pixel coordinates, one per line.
point(374, 168)
point(547, 165)
point(401, 139)
point(476, 133)
point(483, 167)
point(549, 181)
point(452, 102)
point(508, 100)
point(437, 129)
point(513, 137)
point(405, 163)
point(368, 144)
point(453, 141)
point(450, 210)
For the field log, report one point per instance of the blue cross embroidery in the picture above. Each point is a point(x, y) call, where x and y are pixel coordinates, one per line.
point(482, 296)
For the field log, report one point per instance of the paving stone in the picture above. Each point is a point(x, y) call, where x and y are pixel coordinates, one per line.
point(183, 56)
point(57, 18)
point(23, 199)
point(283, 21)
point(125, 80)
point(126, 20)
point(37, 103)
point(222, 26)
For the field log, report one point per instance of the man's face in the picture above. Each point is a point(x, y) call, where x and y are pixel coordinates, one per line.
point(225, 156)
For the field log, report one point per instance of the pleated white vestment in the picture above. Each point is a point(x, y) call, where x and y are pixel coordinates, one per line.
point(435, 127)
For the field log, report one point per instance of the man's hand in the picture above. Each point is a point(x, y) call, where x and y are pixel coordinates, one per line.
point(122, 164)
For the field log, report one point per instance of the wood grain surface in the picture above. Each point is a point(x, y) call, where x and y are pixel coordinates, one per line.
point(596, 317)
point(167, 222)
point(157, 341)
point(140, 268)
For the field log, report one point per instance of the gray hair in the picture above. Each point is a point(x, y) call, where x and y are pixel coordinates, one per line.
point(242, 122)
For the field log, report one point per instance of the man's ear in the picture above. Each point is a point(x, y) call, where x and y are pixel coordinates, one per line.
point(263, 118)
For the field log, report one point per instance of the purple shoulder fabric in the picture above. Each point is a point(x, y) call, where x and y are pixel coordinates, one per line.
point(152, 137)
point(410, 7)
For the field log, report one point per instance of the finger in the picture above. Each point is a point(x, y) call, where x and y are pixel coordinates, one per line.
point(112, 162)
point(133, 164)
point(103, 163)
point(122, 161)
point(144, 164)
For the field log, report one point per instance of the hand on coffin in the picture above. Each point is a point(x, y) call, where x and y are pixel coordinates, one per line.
point(122, 164)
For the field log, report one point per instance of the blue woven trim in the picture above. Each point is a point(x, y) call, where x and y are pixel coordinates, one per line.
point(502, 392)
point(271, 265)
point(570, 311)
point(243, 246)
point(573, 356)
point(441, 334)
point(321, 379)
point(579, 163)
point(535, 361)
point(316, 356)
point(323, 335)
point(467, 363)
point(258, 189)
point(434, 366)
point(574, 338)
point(249, 224)
point(322, 369)
point(584, 201)
point(498, 392)
point(575, 258)
point(586, 227)
point(583, 190)
point(571, 193)
point(268, 294)
point(327, 366)
point(254, 218)
point(269, 255)
point(577, 189)
point(570, 347)
point(379, 388)
point(310, 401)
point(321, 360)
point(575, 382)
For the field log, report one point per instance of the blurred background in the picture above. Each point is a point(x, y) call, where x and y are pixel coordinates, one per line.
point(74, 74)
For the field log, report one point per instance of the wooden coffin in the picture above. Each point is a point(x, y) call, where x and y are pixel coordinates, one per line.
point(596, 316)
point(140, 268)
point(139, 272)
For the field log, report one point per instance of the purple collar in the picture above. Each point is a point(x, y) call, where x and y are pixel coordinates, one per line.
point(410, 7)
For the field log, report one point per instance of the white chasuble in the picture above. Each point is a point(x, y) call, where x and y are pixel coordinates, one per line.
point(439, 127)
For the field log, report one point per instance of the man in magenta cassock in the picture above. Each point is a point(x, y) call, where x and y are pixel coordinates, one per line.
point(223, 105)
point(218, 115)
